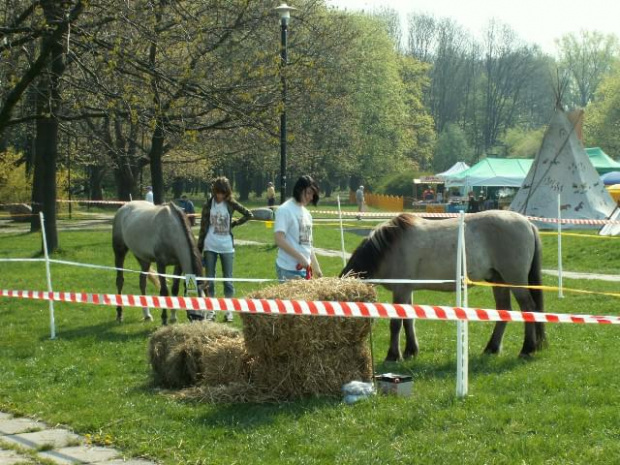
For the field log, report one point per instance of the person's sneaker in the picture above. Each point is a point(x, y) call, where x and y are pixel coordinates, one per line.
point(210, 316)
point(228, 317)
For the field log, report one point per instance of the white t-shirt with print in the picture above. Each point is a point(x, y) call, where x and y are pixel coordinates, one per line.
point(218, 237)
point(295, 222)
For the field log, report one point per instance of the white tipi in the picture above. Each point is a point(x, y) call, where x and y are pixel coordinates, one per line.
point(563, 167)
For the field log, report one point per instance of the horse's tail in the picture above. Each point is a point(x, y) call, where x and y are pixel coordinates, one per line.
point(191, 241)
point(154, 278)
point(535, 279)
point(117, 233)
point(366, 259)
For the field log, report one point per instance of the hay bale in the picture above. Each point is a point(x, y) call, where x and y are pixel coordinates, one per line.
point(299, 356)
point(237, 392)
point(277, 334)
point(188, 354)
point(285, 357)
point(290, 376)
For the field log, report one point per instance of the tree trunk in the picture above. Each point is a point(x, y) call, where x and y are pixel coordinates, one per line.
point(44, 180)
point(243, 183)
point(95, 176)
point(46, 141)
point(178, 187)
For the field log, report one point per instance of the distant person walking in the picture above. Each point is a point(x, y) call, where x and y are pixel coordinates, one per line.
point(359, 198)
point(293, 233)
point(216, 239)
point(271, 195)
point(188, 207)
point(149, 194)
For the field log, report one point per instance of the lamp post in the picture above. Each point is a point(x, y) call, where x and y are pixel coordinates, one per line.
point(284, 11)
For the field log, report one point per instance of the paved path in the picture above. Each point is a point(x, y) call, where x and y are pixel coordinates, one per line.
point(25, 441)
point(576, 275)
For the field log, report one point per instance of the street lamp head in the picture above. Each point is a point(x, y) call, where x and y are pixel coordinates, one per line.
point(285, 13)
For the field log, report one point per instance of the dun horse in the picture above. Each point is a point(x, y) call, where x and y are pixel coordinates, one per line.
point(154, 233)
point(501, 247)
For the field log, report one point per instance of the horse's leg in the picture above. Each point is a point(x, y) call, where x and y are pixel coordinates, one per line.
point(175, 292)
point(502, 302)
point(143, 277)
point(411, 344)
point(411, 341)
point(161, 269)
point(530, 342)
point(393, 354)
point(120, 251)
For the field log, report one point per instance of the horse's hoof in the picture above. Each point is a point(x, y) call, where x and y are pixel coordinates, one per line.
point(119, 319)
point(393, 358)
point(526, 356)
point(490, 352)
point(148, 318)
point(410, 354)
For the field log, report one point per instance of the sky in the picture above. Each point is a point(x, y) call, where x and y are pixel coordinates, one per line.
point(535, 21)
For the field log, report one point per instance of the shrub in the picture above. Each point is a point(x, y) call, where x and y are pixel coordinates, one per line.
point(396, 184)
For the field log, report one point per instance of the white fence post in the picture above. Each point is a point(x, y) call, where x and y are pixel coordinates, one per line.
point(49, 277)
point(462, 343)
point(560, 292)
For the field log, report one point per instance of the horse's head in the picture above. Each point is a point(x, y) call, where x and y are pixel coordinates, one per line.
point(361, 263)
point(369, 255)
point(194, 266)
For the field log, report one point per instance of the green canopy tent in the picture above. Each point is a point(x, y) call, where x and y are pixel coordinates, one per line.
point(492, 172)
point(602, 162)
point(511, 172)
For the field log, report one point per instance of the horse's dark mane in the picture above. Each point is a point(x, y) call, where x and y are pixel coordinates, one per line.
point(191, 242)
point(366, 259)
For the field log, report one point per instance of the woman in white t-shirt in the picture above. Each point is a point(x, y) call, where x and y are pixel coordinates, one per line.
point(215, 238)
point(293, 233)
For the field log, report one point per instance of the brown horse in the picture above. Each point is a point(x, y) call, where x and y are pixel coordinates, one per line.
point(501, 247)
point(160, 234)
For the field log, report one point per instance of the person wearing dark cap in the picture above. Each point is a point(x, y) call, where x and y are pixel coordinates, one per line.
point(188, 207)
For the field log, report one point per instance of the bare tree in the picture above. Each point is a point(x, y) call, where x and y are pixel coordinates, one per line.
point(588, 56)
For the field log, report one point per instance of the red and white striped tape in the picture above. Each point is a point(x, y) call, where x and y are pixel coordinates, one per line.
point(456, 215)
point(316, 308)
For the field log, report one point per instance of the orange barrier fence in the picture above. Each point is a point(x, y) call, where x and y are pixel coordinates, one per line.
point(393, 203)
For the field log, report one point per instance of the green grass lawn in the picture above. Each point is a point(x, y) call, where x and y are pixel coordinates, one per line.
point(560, 408)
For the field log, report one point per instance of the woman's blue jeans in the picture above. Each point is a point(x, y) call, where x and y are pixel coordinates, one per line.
point(226, 259)
point(285, 275)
